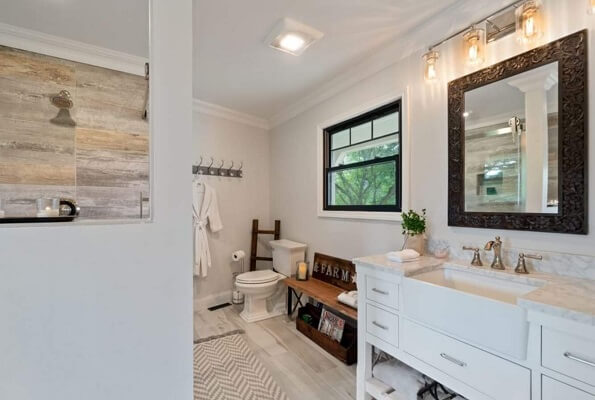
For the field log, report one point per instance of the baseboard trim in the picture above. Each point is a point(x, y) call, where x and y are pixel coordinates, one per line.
point(202, 303)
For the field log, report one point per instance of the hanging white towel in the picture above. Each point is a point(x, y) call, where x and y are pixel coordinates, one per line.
point(205, 211)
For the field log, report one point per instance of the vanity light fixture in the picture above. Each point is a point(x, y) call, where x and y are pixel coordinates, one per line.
point(430, 59)
point(474, 42)
point(292, 37)
point(591, 7)
point(529, 21)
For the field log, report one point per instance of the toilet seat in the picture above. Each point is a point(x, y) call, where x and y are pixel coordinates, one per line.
point(257, 277)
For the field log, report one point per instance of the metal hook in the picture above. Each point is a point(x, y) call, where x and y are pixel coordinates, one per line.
point(210, 165)
point(200, 162)
point(222, 163)
point(241, 165)
point(229, 170)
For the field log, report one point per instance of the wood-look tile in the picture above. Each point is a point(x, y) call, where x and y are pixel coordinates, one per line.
point(110, 100)
point(295, 363)
point(111, 202)
point(93, 139)
point(106, 155)
point(316, 360)
point(20, 65)
point(36, 174)
point(111, 159)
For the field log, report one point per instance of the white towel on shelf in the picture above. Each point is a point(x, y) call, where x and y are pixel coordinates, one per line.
point(405, 380)
point(403, 255)
point(348, 298)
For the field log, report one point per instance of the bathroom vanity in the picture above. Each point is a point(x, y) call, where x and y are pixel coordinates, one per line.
point(485, 334)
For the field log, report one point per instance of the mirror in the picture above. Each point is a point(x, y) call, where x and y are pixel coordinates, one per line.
point(517, 142)
point(511, 144)
point(73, 96)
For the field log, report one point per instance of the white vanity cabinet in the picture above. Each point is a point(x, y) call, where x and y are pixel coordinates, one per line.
point(552, 389)
point(557, 361)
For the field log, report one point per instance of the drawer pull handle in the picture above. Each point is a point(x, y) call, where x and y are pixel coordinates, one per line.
point(453, 360)
point(380, 291)
point(581, 360)
point(380, 325)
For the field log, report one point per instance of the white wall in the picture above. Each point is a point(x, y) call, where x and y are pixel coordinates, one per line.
point(240, 200)
point(293, 150)
point(105, 311)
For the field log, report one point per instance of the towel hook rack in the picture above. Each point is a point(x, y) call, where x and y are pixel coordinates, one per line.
point(202, 168)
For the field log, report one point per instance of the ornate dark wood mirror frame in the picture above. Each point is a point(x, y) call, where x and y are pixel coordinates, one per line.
point(571, 54)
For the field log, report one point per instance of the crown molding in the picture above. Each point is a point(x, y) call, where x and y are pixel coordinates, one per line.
point(414, 41)
point(229, 114)
point(55, 46)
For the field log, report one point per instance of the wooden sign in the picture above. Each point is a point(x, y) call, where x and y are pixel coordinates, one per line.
point(333, 270)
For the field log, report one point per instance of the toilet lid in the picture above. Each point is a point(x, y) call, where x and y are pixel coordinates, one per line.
point(263, 276)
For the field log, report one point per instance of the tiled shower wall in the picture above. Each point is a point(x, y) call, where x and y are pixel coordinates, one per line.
point(102, 162)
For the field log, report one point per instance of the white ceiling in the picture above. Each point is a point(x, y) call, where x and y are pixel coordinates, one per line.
point(235, 69)
point(120, 25)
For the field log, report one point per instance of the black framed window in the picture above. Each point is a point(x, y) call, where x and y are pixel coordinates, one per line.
point(362, 162)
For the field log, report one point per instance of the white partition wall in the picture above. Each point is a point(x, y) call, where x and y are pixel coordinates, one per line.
point(105, 311)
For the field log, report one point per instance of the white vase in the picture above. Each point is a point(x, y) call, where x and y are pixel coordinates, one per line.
point(415, 242)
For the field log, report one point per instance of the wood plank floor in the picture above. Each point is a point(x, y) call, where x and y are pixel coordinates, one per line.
point(299, 366)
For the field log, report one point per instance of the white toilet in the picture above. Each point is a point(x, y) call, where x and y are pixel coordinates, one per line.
point(264, 297)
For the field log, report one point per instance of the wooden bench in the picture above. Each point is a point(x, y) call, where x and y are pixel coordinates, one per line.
point(320, 291)
point(330, 277)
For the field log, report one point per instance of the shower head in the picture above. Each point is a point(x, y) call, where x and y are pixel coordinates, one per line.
point(62, 100)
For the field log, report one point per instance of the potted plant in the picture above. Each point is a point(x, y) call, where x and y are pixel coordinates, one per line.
point(414, 229)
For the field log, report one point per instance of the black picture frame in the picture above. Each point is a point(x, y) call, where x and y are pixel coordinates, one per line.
point(571, 54)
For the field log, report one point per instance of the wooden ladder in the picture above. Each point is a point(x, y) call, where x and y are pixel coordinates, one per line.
point(255, 232)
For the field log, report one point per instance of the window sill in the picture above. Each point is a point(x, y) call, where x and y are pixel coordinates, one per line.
point(369, 215)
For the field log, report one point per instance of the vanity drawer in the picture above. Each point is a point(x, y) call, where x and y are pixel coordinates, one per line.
point(567, 354)
point(382, 324)
point(552, 389)
point(476, 368)
point(383, 292)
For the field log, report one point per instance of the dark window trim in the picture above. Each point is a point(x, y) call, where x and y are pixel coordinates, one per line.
point(379, 112)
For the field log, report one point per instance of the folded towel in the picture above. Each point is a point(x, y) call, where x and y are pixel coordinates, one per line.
point(405, 380)
point(403, 255)
point(348, 298)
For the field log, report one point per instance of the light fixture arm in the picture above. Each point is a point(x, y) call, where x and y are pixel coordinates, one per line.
point(508, 7)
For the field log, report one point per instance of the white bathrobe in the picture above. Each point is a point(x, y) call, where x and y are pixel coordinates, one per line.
point(205, 211)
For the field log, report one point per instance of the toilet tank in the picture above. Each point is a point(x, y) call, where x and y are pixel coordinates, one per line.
point(286, 255)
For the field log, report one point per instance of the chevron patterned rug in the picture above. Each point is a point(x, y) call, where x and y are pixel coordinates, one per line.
point(226, 369)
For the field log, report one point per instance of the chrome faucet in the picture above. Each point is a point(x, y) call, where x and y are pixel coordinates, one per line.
point(496, 246)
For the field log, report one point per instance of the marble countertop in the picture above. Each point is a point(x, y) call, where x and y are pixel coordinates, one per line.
point(556, 295)
point(382, 263)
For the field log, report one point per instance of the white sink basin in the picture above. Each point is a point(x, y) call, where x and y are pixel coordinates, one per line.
point(471, 305)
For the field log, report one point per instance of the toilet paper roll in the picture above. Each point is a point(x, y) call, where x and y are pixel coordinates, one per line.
point(238, 255)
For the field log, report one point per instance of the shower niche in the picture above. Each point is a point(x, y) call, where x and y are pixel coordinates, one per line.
point(74, 125)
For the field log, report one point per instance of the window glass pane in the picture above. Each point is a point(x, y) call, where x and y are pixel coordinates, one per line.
point(361, 133)
point(386, 125)
point(340, 139)
point(384, 147)
point(363, 186)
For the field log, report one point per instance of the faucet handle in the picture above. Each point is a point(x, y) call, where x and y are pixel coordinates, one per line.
point(521, 266)
point(476, 257)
